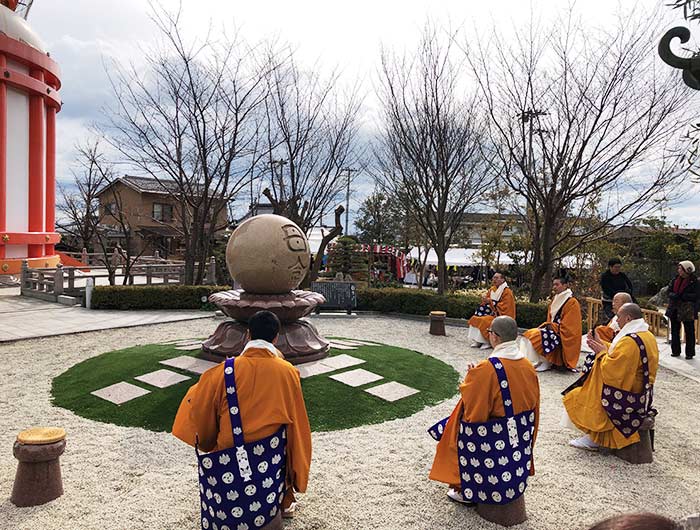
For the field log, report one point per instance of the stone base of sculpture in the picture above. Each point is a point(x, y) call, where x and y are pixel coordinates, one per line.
point(298, 341)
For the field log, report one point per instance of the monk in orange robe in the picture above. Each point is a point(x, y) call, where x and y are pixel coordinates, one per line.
point(269, 396)
point(607, 332)
point(556, 342)
point(618, 365)
point(481, 400)
point(500, 301)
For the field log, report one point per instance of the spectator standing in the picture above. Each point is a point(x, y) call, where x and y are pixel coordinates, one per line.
point(614, 281)
point(683, 308)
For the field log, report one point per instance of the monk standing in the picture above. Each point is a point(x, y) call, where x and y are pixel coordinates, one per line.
point(556, 342)
point(607, 332)
point(252, 403)
point(498, 301)
point(503, 386)
point(614, 396)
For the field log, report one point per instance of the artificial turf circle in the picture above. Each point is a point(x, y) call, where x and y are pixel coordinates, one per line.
point(331, 405)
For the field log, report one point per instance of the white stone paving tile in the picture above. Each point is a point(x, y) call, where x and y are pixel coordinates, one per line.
point(313, 368)
point(191, 364)
point(339, 346)
point(190, 347)
point(343, 360)
point(392, 391)
point(120, 392)
point(162, 378)
point(357, 377)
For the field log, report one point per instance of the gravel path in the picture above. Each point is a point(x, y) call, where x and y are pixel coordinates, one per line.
point(372, 477)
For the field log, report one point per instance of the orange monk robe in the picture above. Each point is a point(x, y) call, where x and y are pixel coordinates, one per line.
point(570, 331)
point(504, 307)
point(607, 332)
point(481, 401)
point(621, 368)
point(269, 395)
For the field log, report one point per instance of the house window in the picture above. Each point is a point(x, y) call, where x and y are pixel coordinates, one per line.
point(111, 208)
point(163, 212)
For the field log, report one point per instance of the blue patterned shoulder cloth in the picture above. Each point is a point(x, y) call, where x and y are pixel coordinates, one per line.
point(495, 456)
point(241, 488)
point(627, 410)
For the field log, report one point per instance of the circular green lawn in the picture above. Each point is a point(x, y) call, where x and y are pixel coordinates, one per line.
point(331, 405)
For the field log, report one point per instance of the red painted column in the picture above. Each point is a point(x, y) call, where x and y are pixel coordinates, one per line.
point(50, 174)
point(3, 153)
point(36, 166)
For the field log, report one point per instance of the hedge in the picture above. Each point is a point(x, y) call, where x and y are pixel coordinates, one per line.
point(153, 296)
point(422, 302)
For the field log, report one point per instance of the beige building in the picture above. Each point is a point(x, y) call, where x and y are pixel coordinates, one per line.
point(149, 207)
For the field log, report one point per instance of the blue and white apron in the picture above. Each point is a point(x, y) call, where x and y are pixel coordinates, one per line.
point(627, 410)
point(241, 488)
point(550, 339)
point(495, 456)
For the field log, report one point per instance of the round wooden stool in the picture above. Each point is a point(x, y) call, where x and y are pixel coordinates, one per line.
point(38, 477)
point(504, 514)
point(437, 322)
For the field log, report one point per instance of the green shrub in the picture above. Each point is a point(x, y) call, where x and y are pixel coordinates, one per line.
point(422, 302)
point(153, 296)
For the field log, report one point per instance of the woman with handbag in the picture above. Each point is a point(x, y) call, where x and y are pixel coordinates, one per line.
point(683, 308)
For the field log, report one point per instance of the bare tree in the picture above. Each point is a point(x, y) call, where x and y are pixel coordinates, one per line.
point(431, 153)
point(311, 144)
point(189, 119)
point(95, 226)
point(585, 128)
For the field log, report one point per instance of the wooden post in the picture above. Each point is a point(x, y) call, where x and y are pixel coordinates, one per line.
point(58, 281)
point(211, 271)
point(71, 278)
point(149, 275)
point(41, 285)
point(25, 283)
point(84, 257)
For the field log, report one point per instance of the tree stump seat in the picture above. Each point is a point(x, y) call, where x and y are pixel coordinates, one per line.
point(504, 514)
point(38, 478)
point(642, 451)
point(437, 322)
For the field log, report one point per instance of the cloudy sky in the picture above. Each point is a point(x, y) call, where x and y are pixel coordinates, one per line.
point(85, 36)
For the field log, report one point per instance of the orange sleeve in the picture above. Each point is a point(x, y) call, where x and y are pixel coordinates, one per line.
point(298, 437)
point(477, 392)
point(571, 332)
point(196, 417)
point(506, 306)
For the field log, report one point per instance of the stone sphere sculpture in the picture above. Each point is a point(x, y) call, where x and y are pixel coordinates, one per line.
point(268, 254)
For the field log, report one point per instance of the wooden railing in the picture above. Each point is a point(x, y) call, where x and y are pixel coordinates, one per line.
point(655, 318)
point(51, 283)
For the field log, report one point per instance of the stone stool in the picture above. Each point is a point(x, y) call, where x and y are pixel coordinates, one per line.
point(38, 477)
point(504, 514)
point(642, 451)
point(437, 322)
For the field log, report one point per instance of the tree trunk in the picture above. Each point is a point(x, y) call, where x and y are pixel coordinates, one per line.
point(542, 264)
point(442, 269)
point(312, 275)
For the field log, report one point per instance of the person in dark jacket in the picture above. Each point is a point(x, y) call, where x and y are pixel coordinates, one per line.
point(614, 281)
point(683, 308)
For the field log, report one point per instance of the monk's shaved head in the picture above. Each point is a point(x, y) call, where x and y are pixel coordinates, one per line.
point(624, 298)
point(633, 311)
point(505, 327)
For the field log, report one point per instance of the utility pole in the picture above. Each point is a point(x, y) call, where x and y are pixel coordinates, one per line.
point(347, 199)
point(280, 176)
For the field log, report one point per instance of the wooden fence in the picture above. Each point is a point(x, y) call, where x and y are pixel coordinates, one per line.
point(51, 283)
point(655, 318)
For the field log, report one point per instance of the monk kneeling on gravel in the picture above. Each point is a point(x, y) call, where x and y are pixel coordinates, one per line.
point(247, 420)
point(611, 400)
point(484, 450)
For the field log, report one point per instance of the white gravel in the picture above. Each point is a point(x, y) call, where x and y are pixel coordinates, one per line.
point(365, 478)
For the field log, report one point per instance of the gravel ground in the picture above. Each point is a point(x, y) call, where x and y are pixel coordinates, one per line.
point(372, 477)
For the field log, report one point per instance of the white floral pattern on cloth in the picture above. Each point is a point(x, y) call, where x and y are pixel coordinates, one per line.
point(232, 497)
point(493, 469)
point(483, 310)
point(550, 340)
point(627, 410)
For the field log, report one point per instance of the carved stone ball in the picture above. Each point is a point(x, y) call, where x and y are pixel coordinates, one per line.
point(268, 254)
